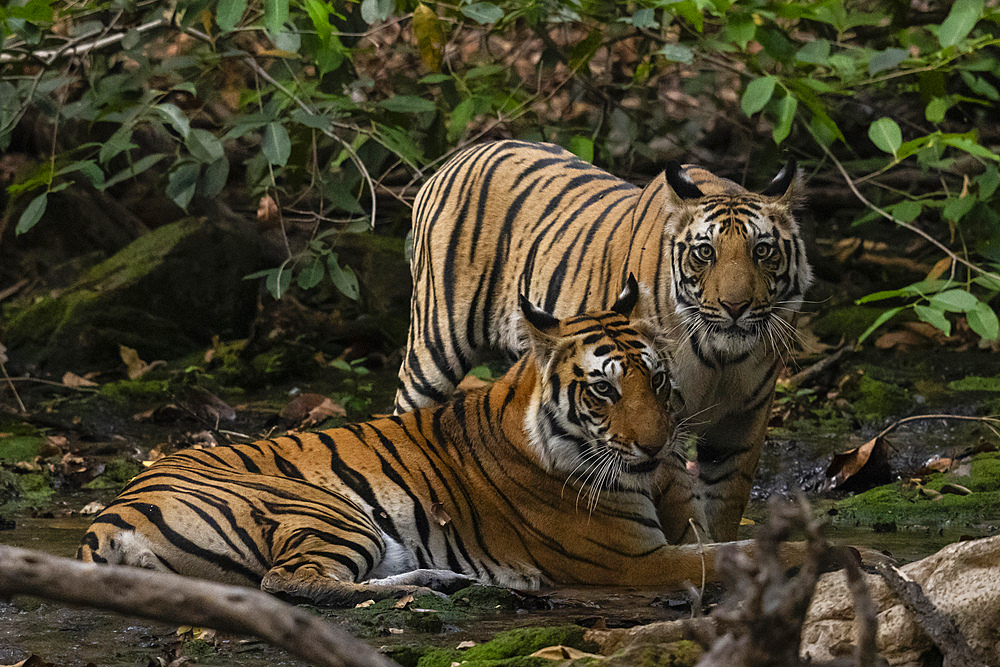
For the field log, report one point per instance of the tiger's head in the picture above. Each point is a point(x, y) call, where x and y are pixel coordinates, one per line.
point(600, 412)
point(738, 262)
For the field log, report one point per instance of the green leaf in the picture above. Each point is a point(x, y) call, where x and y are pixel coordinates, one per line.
point(204, 146)
point(983, 320)
point(906, 210)
point(32, 214)
point(89, 169)
point(461, 115)
point(319, 14)
point(757, 94)
point(956, 207)
point(937, 108)
point(879, 321)
point(955, 301)
point(278, 281)
point(483, 70)
point(786, 114)
point(881, 296)
point(275, 15)
point(175, 117)
point(885, 134)
point(815, 52)
point(343, 278)
point(988, 182)
point(120, 141)
point(960, 21)
point(970, 146)
point(213, 180)
point(483, 12)
point(373, 11)
point(134, 169)
point(228, 14)
point(310, 276)
point(276, 146)
point(183, 182)
point(341, 198)
point(582, 147)
point(677, 53)
point(741, 29)
point(934, 317)
point(407, 104)
point(883, 60)
point(435, 78)
point(643, 18)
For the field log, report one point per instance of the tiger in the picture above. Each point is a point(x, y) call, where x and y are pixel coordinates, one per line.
point(726, 269)
point(544, 477)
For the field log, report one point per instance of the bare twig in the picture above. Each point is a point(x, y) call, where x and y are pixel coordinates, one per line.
point(906, 225)
point(10, 384)
point(937, 625)
point(162, 596)
point(896, 424)
point(77, 47)
point(807, 374)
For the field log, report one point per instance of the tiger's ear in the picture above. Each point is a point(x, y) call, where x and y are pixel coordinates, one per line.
point(678, 182)
point(627, 299)
point(786, 185)
point(543, 328)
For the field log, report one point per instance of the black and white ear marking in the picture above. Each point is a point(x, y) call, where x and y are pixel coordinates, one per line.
point(681, 186)
point(628, 297)
point(537, 317)
point(779, 185)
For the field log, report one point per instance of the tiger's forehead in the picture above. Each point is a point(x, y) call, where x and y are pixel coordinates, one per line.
point(743, 216)
point(608, 344)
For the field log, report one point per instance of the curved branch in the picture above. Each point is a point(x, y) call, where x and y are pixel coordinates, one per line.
point(171, 598)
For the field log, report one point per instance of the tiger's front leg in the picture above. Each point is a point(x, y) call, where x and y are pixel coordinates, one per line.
point(728, 454)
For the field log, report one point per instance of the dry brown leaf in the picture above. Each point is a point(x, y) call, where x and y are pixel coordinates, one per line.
point(267, 213)
point(403, 601)
point(93, 507)
point(365, 604)
point(955, 489)
point(937, 464)
point(860, 468)
point(136, 366)
point(562, 653)
point(943, 265)
point(442, 517)
point(72, 464)
point(466, 644)
point(71, 379)
point(899, 339)
point(427, 28)
point(395, 631)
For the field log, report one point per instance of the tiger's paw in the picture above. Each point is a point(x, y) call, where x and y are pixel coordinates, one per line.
point(438, 581)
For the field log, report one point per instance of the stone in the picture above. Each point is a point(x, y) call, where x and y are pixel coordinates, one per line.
point(961, 581)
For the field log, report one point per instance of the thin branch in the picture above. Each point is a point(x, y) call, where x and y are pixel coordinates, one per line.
point(905, 225)
point(75, 47)
point(171, 598)
point(10, 384)
point(983, 420)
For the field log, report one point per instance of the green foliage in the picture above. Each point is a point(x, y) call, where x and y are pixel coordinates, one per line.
point(306, 86)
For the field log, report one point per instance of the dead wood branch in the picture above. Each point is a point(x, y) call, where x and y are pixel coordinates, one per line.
point(938, 625)
point(761, 619)
point(810, 373)
point(180, 600)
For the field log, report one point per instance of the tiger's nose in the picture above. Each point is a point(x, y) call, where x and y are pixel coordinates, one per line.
point(735, 308)
point(649, 449)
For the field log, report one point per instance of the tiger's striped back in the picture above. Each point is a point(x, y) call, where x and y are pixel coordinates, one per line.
point(725, 269)
point(546, 476)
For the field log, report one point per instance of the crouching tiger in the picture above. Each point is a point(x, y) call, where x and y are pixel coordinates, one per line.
point(543, 477)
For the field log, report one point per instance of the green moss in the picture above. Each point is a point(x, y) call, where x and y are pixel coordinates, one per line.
point(675, 654)
point(905, 506)
point(511, 648)
point(845, 322)
point(33, 488)
point(21, 447)
point(874, 400)
point(975, 383)
point(117, 473)
point(136, 391)
point(487, 598)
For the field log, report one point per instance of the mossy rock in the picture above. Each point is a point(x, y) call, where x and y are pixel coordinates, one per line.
point(674, 654)
point(19, 490)
point(875, 400)
point(21, 447)
point(164, 294)
point(905, 506)
point(117, 473)
point(511, 648)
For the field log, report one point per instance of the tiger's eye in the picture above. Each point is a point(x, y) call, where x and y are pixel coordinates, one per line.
point(763, 250)
point(602, 388)
point(659, 381)
point(704, 252)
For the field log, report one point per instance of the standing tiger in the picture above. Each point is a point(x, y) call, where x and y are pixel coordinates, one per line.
point(726, 269)
point(544, 477)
